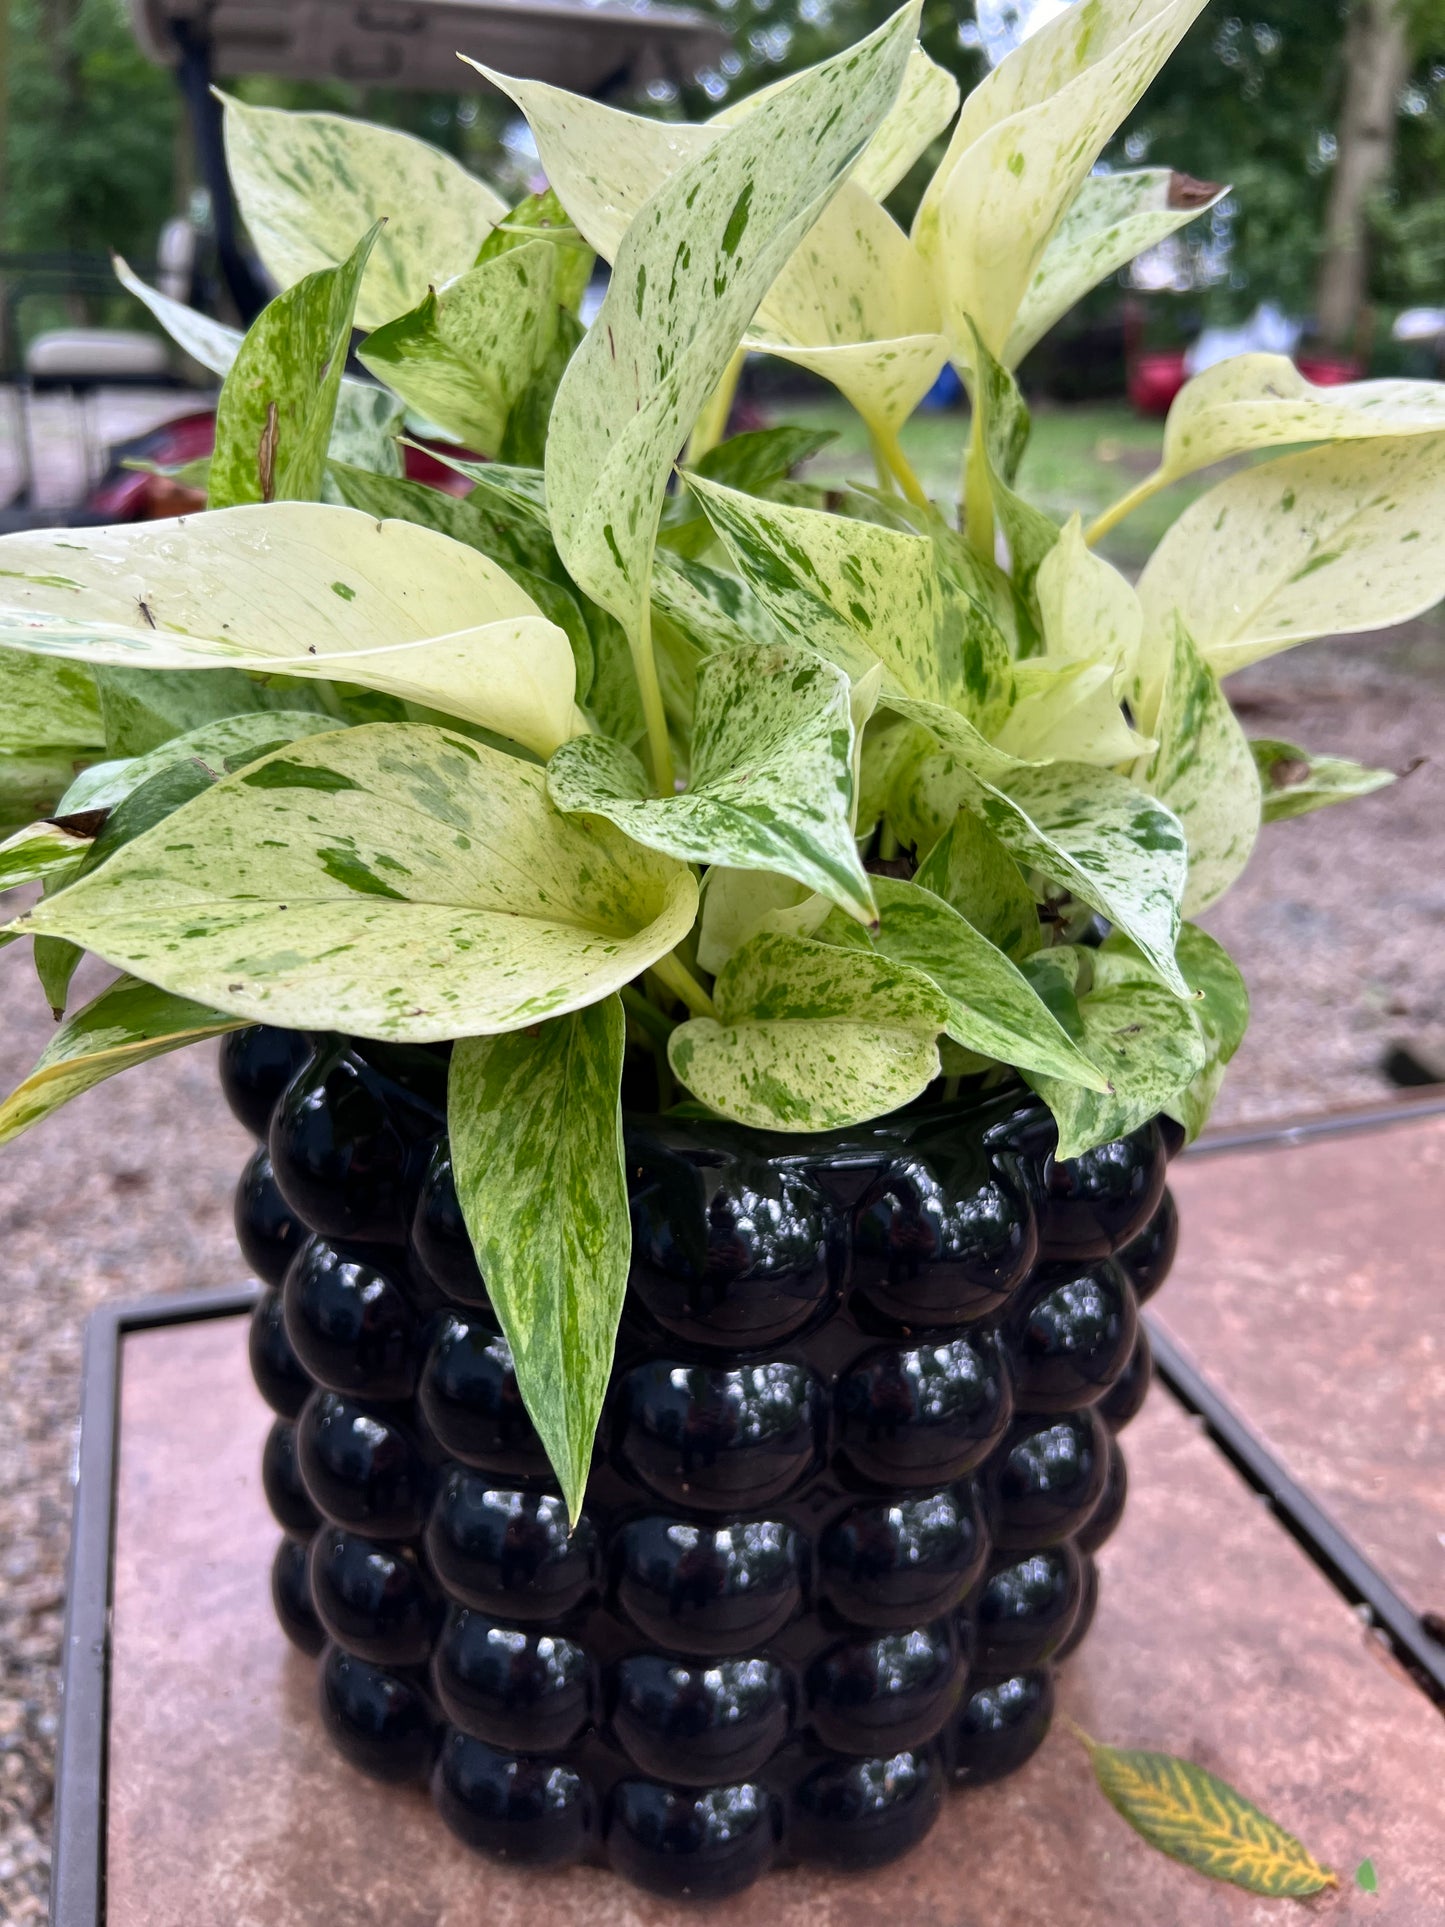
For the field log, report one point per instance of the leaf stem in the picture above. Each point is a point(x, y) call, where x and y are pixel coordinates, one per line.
point(711, 425)
point(673, 972)
point(1126, 505)
point(655, 1023)
point(644, 662)
point(886, 446)
point(978, 492)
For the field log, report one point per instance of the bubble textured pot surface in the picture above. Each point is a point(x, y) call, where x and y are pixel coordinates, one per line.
point(857, 1453)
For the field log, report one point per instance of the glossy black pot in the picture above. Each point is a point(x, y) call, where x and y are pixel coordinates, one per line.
point(856, 1457)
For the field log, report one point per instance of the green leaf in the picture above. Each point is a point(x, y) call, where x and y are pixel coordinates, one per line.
point(1113, 218)
point(1294, 780)
point(126, 1024)
point(851, 591)
point(1221, 1009)
point(463, 357)
point(689, 272)
point(144, 708)
point(489, 523)
point(1089, 611)
point(1331, 541)
point(754, 462)
point(1203, 771)
point(1141, 1036)
point(1004, 419)
point(809, 1036)
point(927, 101)
point(39, 850)
point(56, 962)
point(1365, 1877)
point(277, 405)
point(1202, 1821)
point(309, 185)
point(299, 589)
point(530, 419)
point(771, 785)
point(365, 428)
point(969, 868)
point(535, 1122)
point(32, 782)
point(47, 705)
point(1263, 401)
point(394, 880)
point(542, 217)
point(992, 1007)
point(1005, 184)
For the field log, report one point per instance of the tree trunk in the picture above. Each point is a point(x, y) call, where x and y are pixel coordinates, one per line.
point(1376, 64)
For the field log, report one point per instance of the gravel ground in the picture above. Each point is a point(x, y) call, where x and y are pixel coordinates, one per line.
point(1340, 929)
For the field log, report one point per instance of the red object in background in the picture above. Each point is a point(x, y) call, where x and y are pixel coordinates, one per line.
point(1156, 377)
point(135, 495)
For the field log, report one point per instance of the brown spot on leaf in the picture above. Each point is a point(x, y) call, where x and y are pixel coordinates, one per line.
point(80, 822)
point(266, 453)
point(1185, 191)
point(1287, 771)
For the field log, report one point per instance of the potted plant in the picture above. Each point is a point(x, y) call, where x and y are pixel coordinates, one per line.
point(709, 964)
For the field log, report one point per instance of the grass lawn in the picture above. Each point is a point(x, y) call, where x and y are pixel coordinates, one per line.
point(1078, 458)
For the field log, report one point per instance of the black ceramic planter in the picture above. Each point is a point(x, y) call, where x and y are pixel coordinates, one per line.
point(856, 1457)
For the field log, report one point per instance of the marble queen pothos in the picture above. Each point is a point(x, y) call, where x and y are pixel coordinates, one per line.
point(634, 761)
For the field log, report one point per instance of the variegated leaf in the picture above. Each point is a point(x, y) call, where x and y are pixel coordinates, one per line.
point(1330, 541)
point(810, 1036)
point(487, 522)
point(1263, 401)
point(1068, 710)
point(126, 1024)
point(927, 101)
point(395, 880)
point(688, 274)
point(47, 705)
point(1000, 193)
point(40, 850)
point(1202, 770)
point(1294, 781)
point(367, 418)
point(1090, 612)
point(1201, 1820)
point(310, 185)
point(1142, 1036)
point(1113, 218)
point(277, 404)
point(535, 1123)
point(851, 591)
point(969, 868)
point(33, 781)
point(992, 1007)
point(736, 905)
point(464, 356)
point(217, 749)
point(299, 589)
point(771, 785)
point(1221, 1010)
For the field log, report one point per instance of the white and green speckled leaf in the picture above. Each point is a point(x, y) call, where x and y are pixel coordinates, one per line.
point(535, 1123)
point(689, 273)
point(310, 185)
point(853, 592)
point(1090, 612)
point(1221, 1010)
point(1113, 218)
point(927, 101)
point(278, 403)
point(810, 1036)
point(969, 868)
point(1006, 182)
point(367, 420)
point(1143, 1036)
point(464, 356)
point(1068, 711)
point(1202, 769)
point(1329, 541)
point(300, 589)
point(126, 1024)
point(395, 880)
point(1294, 781)
point(771, 785)
point(1263, 401)
point(40, 850)
point(736, 905)
point(1116, 849)
point(220, 748)
point(992, 1007)
point(47, 705)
